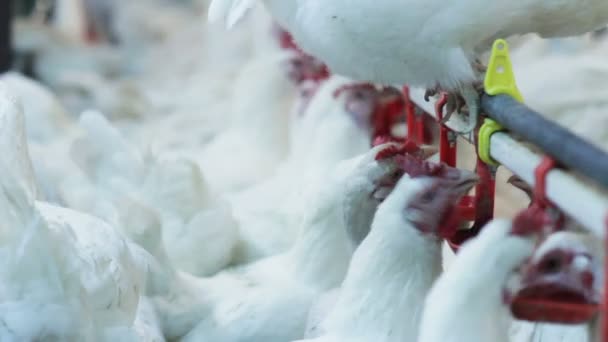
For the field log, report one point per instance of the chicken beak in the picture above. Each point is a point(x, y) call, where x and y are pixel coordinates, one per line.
point(463, 182)
point(558, 288)
point(460, 181)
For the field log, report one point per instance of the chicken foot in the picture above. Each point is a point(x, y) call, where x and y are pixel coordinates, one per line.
point(467, 96)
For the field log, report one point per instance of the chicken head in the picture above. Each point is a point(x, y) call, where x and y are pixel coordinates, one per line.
point(563, 280)
point(372, 178)
point(432, 208)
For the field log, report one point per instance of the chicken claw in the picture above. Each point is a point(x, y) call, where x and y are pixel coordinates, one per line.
point(430, 93)
point(454, 103)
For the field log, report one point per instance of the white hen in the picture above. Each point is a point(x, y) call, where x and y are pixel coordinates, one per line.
point(567, 263)
point(66, 275)
point(494, 254)
point(46, 119)
point(329, 131)
point(421, 43)
point(382, 296)
point(269, 300)
point(191, 215)
point(250, 150)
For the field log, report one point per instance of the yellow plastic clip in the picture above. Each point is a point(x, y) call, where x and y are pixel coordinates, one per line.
point(486, 130)
point(499, 77)
point(499, 80)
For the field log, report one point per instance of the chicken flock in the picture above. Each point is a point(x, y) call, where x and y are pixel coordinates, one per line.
point(164, 179)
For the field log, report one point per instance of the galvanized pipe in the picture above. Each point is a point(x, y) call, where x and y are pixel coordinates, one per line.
point(582, 202)
point(564, 146)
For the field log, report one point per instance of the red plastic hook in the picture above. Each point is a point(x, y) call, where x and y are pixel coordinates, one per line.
point(478, 208)
point(540, 201)
point(540, 179)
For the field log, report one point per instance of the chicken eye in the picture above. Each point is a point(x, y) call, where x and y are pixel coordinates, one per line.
point(551, 265)
point(358, 95)
point(428, 196)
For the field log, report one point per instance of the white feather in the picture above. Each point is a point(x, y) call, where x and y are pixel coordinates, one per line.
point(423, 42)
point(239, 9)
point(230, 11)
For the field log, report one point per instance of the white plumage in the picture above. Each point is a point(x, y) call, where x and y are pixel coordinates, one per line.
point(269, 300)
point(65, 275)
point(422, 43)
point(229, 131)
point(381, 299)
point(494, 255)
point(325, 134)
point(191, 214)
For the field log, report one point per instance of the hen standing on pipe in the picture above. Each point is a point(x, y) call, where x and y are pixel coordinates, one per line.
point(431, 43)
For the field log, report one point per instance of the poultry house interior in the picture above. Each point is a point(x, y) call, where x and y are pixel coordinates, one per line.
point(283, 170)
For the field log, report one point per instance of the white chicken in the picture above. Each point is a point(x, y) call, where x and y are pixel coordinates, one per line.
point(65, 275)
point(258, 133)
point(201, 93)
point(421, 43)
point(494, 254)
point(330, 130)
point(560, 266)
point(269, 300)
point(382, 297)
point(568, 265)
point(191, 215)
point(46, 118)
point(49, 129)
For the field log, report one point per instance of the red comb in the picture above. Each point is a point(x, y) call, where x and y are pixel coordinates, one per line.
point(415, 166)
point(409, 156)
point(409, 147)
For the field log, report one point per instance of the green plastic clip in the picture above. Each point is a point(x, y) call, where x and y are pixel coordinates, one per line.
point(499, 80)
